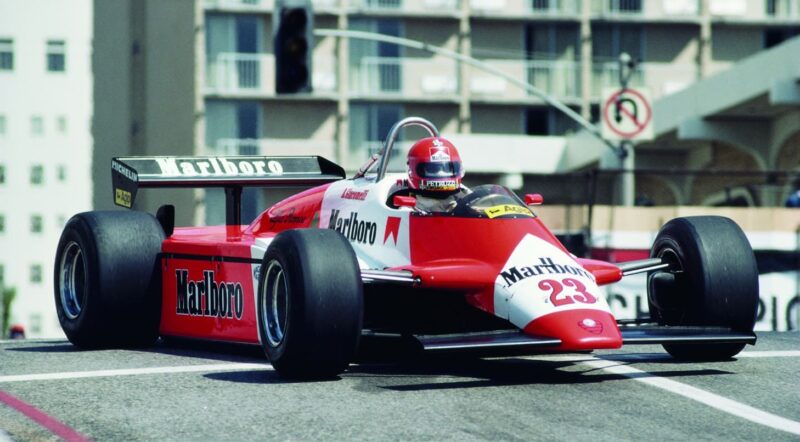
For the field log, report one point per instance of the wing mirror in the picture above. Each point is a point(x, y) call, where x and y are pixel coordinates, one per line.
point(404, 201)
point(533, 199)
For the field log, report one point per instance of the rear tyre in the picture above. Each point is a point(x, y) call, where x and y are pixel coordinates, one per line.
point(712, 281)
point(310, 303)
point(107, 279)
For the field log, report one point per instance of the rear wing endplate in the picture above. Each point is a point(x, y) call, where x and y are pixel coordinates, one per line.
point(128, 174)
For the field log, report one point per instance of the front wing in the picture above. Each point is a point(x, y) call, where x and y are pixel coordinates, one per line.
point(516, 342)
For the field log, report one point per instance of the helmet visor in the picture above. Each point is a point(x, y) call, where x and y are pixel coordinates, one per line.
point(443, 169)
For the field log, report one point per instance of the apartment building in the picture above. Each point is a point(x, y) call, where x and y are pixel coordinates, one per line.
point(45, 145)
point(222, 51)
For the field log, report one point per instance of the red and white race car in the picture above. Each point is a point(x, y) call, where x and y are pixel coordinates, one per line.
point(314, 273)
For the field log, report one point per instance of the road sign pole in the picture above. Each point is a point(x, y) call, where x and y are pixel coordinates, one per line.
point(627, 179)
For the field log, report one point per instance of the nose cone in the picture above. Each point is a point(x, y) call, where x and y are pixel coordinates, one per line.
point(578, 329)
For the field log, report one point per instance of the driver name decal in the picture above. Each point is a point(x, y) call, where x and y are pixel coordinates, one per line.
point(354, 229)
point(438, 184)
point(208, 298)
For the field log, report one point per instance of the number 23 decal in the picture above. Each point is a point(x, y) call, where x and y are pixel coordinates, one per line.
point(558, 298)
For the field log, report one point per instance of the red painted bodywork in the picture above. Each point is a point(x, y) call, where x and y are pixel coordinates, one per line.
point(571, 328)
point(207, 249)
point(481, 245)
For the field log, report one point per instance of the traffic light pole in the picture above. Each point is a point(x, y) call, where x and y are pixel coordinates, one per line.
point(618, 150)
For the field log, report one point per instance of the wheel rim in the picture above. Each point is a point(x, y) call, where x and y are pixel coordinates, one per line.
point(274, 303)
point(671, 257)
point(72, 280)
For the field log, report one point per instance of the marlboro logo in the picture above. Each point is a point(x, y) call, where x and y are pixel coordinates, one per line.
point(217, 167)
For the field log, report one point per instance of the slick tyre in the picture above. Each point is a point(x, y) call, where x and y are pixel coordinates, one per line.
point(107, 279)
point(310, 303)
point(712, 281)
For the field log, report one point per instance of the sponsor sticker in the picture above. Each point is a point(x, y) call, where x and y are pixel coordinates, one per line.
point(207, 297)
point(438, 185)
point(122, 198)
point(439, 154)
point(507, 209)
point(354, 229)
point(124, 171)
point(285, 216)
point(539, 278)
point(218, 167)
point(350, 194)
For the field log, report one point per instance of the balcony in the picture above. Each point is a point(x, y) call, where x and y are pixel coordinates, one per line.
point(406, 77)
point(240, 5)
point(253, 75)
point(264, 5)
point(413, 7)
point(554, 8)
point(560, 79)
point(567, 9)
point(273, 147)
point(624, 10)
point(661, 78)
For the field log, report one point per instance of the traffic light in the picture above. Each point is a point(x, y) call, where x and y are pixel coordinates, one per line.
point(293, 24)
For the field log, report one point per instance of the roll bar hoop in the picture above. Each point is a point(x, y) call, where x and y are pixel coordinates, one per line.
point(390, 139)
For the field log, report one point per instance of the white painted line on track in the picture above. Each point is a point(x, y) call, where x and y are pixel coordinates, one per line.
point(769, 354)
point(134, 371)
point(705, 397)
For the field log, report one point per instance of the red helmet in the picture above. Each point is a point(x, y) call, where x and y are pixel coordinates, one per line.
point(434, 166)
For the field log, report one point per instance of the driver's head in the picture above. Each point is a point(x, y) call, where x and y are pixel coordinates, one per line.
point(434, 167)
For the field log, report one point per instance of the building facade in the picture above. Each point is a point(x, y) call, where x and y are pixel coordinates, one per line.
point(218, 66)
point(45, 145)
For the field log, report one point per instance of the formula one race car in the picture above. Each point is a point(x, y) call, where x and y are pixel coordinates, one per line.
point(313, 274)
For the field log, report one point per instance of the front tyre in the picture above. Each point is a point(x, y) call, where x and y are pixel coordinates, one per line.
point(712, 281)
point(310, 303)
point(107, 279)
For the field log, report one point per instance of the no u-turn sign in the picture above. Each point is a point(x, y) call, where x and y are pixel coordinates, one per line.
point(627, 114)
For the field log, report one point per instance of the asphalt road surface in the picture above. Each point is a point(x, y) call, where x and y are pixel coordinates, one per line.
point(49, 388)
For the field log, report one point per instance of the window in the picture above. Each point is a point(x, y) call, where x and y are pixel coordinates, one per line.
point(2, 223)
point(625, 6)
point(6, 54)
point(544, 121)
point(36, 223)
point(774, 37)
point(35, 323)
point(2, 125)
point(37, 174)
point(37, 125)
point(2, 275)
point(61, 124)
point(36, 273)
point(56, 55)
point(780, 8)
point(62, 173)
point(2, 174)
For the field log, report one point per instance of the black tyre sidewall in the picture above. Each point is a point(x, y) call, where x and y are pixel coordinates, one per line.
point(123, 289)
point(718, 285)
point(325, 303)
point(720, 281)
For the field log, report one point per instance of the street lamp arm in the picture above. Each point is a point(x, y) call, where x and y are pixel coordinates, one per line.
point(475, 63)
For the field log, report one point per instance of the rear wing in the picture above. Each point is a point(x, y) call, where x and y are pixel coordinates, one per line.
point(128, 174)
